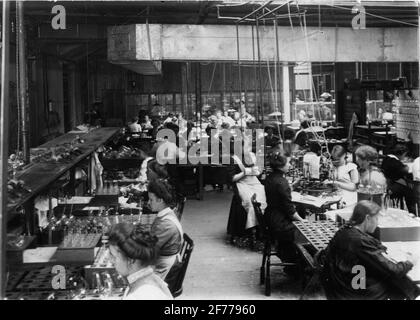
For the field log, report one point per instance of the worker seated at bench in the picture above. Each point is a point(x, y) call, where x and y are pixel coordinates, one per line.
point(166, 226)
point(280, 212)
point(356, 265)
point(133, 251)
point(398, 176)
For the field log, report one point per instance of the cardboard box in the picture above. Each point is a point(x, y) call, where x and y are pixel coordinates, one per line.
point(397, 225)
point(393, 225)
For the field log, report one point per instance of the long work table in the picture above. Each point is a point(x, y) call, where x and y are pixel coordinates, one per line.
point(399, 237)
point(39, 175)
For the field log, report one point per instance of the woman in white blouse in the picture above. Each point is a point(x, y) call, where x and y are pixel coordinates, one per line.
point(134, 252)
point(345, 175)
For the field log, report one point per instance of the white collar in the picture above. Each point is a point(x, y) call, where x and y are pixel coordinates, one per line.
point(392, 156)
point(164, 212)
point(145, 162)
point(143, 273)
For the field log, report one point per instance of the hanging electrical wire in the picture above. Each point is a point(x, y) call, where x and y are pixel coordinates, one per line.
point(273, 95)
point(239, 73)
point(308, 58)
point(255, 75)
point(273, 98)
point(87, 64)
point(290, 16)
point(18, 105)
point(277, 61)
point(211, 82)
point(259, 72)
point(320, 138)
point(149, 42)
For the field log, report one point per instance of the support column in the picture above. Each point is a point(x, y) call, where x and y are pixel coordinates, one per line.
point(418, 59)
point(4, 152)
point(286, 93)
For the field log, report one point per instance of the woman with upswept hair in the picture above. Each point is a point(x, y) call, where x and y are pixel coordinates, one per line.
point(281, 212)
point(166, 226)
point(134, 252)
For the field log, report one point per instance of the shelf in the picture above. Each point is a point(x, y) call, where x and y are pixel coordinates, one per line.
point(39, 175)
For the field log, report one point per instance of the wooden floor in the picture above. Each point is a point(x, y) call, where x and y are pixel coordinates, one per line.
point(217, 269)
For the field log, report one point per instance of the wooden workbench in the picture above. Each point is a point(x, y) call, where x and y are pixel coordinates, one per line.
point(38, 176)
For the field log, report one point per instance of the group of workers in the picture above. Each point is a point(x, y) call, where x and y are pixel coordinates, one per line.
point(145, 257)
point(217, 119)
point(354, 244)
point(135, 250)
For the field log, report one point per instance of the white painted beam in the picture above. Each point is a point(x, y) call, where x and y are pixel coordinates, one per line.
point(218, 43)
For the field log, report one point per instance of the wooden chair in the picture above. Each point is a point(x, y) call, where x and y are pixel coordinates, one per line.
point(179, 209)
point(176, 275)
point(269, 248)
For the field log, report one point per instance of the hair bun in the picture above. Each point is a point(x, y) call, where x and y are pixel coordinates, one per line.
point(140, 235)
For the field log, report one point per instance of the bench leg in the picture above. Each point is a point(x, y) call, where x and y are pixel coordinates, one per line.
point(268, 278)
point(262, 269)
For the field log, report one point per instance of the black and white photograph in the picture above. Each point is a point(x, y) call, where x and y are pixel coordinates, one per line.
point(233, 152)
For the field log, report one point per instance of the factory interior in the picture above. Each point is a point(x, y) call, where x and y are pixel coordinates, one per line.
point(210, 150)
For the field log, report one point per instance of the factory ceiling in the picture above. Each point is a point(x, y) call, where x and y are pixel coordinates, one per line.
point(319, 13)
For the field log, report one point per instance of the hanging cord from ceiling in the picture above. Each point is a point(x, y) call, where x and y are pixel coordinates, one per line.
point(239, 71)
point(308, 57)
point(274, 93)
point(319, 17)
point(149, 42)
point(314, 91)
point(320, 138)
point(18, 104)
point(276, 62)
point(87, 64)
point(270, 82)
point(290, 16)
point(291, 26)
point(211, 82)
point(255, 74)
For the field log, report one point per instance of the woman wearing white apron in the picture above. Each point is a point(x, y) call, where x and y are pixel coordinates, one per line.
point(248, 185)
point(166, 227)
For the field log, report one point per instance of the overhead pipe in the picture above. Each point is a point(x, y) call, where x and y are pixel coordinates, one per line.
point(255, 11)
point(274, 10)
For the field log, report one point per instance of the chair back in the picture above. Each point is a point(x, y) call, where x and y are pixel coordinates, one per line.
point(176, 275)
point(179, 209)
point(262, 225)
